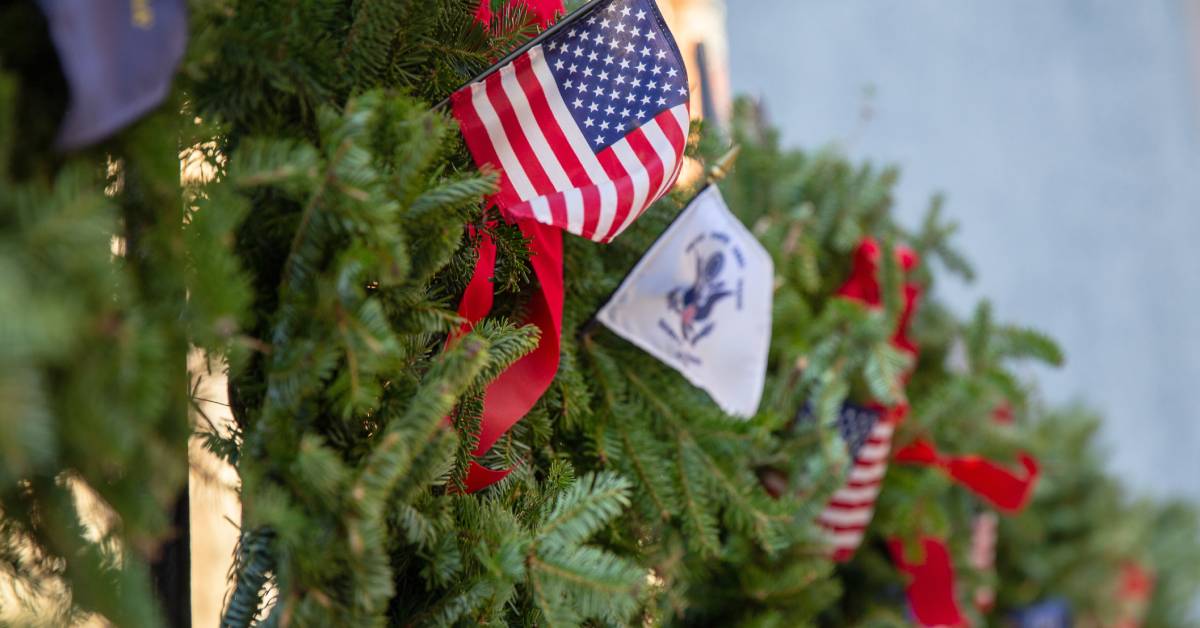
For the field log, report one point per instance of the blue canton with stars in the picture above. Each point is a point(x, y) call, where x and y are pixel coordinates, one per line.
point(617, 67)
point(854, 424)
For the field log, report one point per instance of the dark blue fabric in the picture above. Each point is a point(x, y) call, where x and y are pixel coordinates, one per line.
point(118, 57)
point(1049, 614)
point(616, 68)
point(854, 424)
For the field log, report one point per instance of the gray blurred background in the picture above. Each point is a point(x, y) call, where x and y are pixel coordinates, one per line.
point(1065, 135)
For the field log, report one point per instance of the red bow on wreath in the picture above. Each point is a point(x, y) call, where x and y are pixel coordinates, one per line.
point(544, 12)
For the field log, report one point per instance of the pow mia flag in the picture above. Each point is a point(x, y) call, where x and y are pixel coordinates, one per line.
point(700, 301)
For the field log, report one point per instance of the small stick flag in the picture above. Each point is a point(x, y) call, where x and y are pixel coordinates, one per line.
point(867, 432)
point(700, 301)
point(586, 126)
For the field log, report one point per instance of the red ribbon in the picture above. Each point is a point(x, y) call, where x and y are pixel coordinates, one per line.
point(511, 395)
point(931, 583)
point(1003, 413)
point(1005, 489)
point(1137, 582)
point(901, 340)
point(1134, 591)
point(863, 286)
point(931, 592)
point(543, 11)
point(863, 283)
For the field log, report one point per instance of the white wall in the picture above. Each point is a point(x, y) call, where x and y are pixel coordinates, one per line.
point(1065, 135)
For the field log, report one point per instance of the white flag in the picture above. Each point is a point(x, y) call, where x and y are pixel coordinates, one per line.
point(700, 301)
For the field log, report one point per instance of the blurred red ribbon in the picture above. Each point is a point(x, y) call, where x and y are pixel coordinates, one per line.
point(863, 286)
point(1002, 487)
point(932, 584)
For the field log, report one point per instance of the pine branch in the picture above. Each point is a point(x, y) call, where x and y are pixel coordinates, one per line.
point(253, 567)
point(589, 504)
point(1023, 342)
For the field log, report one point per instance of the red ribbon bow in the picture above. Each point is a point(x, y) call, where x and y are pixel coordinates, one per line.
point(863, 286)
point(543, 11)
point(513, 394)
point(1005, 489)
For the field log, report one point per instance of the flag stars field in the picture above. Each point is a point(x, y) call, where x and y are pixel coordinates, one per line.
point(633, 45)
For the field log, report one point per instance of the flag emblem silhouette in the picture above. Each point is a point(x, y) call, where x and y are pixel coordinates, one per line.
point(695, 303)
point(699, 300)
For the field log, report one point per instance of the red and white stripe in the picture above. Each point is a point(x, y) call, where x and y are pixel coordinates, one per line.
point(516, 120)
point(849, 512)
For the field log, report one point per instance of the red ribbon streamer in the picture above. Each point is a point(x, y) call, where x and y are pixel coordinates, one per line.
point(1003, 488)
point(901, 340)
point(931, 583)
point(863, 286)
point(863, 283)
point(511, 395)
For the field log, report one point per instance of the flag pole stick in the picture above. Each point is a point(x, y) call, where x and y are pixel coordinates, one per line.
point(566, 21)
point(718, 171)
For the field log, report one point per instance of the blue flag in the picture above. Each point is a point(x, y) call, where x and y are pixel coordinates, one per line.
point(1049, 614)
point(855, 423)
point(118, 57)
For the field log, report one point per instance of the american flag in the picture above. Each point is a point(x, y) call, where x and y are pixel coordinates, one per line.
point(588, 126)
point(868, 438)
